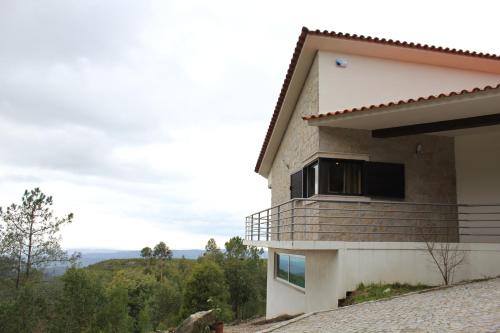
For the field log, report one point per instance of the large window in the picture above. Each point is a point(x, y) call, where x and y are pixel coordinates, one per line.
point(349, 177)
point(291, 268)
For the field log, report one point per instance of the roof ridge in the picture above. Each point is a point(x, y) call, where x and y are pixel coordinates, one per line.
point(403, 102)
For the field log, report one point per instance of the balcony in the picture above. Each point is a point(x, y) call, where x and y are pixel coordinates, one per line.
point(319, 219)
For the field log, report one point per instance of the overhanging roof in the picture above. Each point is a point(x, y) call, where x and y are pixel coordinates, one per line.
point(445, 106)
point(310, 42)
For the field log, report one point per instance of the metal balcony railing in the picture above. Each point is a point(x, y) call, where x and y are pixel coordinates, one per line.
point(342, 220)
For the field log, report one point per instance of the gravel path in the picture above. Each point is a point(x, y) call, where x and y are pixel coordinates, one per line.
point(468, 308)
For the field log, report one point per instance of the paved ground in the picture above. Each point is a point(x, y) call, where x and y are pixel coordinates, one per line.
point(468, 308)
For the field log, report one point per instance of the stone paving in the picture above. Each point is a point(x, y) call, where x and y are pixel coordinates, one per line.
point(468, 308)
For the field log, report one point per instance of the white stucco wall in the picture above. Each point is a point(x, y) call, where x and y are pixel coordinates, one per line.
point(368, 80)
point(330, 273)
point(320, 291)
point(411, 263)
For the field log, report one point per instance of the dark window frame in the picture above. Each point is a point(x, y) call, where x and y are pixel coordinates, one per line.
point(372, 179)
point(296, 185)
point(310, 179)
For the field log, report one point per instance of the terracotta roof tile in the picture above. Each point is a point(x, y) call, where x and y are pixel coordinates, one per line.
point(401, 102)
point(340, 35)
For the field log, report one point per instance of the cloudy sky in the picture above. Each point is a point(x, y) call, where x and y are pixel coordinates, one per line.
point(145, 118)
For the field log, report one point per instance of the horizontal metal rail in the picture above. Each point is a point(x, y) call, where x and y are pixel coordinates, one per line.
point(309, 219)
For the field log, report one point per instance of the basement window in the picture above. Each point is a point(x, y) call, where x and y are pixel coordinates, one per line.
point(291, 269)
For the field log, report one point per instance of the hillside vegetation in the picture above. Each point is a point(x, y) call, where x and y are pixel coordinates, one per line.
point(138, 295)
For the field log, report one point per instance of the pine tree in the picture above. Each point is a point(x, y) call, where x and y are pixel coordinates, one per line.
point(31, 236)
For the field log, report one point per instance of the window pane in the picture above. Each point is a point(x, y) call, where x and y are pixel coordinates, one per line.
point(312, 179)
point(316, 178)
point(344, 177)
point(336, 177)
point(352, 178)
point(298, 271)
point(386, 180)
point(282, 269)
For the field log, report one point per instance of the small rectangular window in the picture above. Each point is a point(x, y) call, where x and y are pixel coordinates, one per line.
point(291, 268)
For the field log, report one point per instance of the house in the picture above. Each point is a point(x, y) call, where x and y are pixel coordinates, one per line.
point(375, 148)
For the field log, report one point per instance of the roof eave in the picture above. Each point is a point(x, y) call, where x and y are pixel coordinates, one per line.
point(263, 164)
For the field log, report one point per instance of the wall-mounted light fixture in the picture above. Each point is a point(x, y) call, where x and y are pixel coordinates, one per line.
point(341, 62)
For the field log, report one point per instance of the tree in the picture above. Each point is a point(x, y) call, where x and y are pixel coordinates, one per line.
point(206, 283)
point(162, 252)
point(146, 252)
point(164, 303)
point(241, 284)
point(25, 312)
point(116, 311)
point(211, 247)
point(139, 287)
point(236, 249)
point(213, 252)
point(32, 233)
point(82, 305)
point(144, 324)
point(182, 265)
point(447, 257)
point(241, 269)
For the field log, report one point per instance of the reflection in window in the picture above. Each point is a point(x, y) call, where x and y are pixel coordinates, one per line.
point(291, 268)
point(283, 267)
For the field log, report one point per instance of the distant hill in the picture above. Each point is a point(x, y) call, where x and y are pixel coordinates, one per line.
point(91, 256)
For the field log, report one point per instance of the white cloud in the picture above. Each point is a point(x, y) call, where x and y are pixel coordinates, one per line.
point(145, 118)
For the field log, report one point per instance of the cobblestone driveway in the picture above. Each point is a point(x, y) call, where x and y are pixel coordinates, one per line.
point(470, 308)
